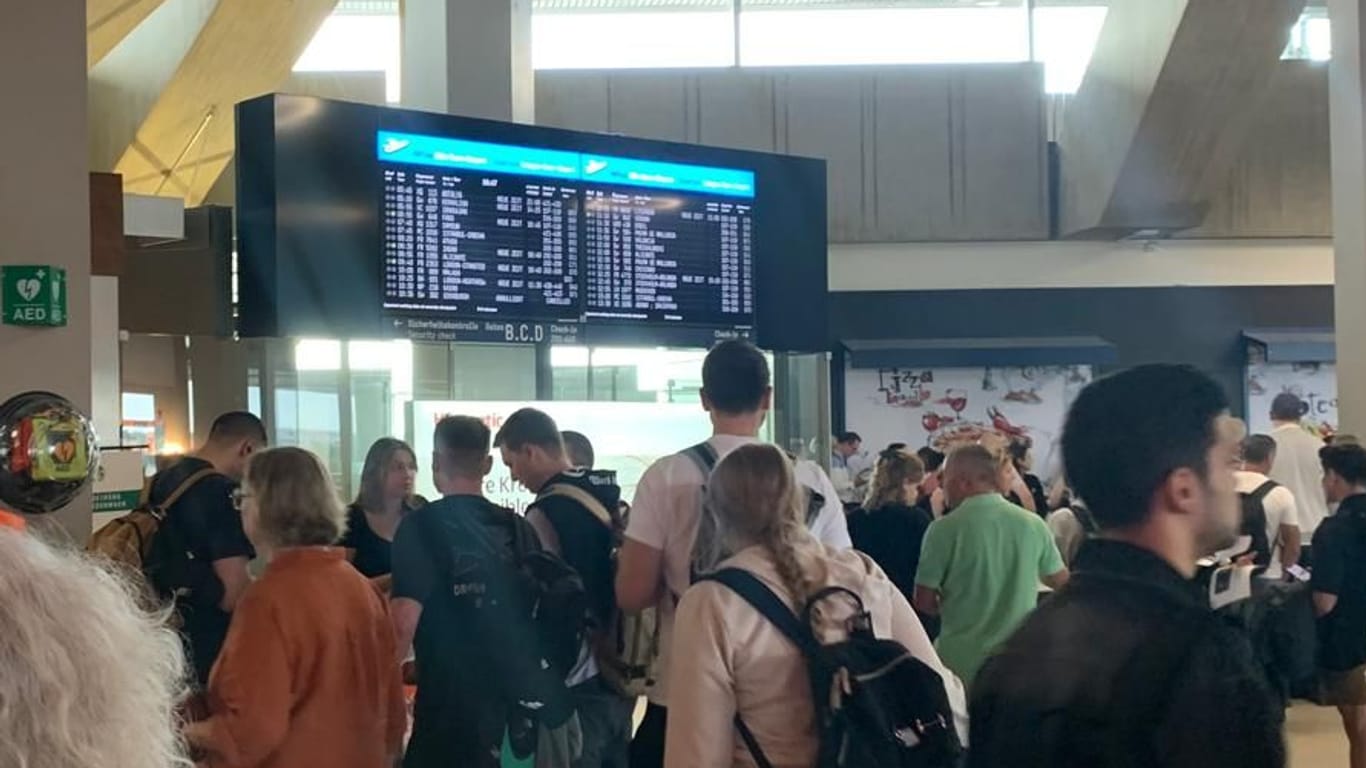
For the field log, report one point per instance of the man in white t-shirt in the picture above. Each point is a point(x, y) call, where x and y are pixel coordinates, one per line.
point(654, 566)
point(1282, 516)
point(1297, 466)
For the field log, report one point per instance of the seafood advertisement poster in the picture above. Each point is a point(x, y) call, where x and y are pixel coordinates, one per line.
point(1314, 383)
point(943, 406)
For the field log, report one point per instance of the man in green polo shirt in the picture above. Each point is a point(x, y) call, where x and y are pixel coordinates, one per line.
point(980, 565)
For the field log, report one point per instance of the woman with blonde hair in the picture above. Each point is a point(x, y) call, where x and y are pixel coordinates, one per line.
point(307, 675)
point(87, 678)
point(889, 527)
point(729, 660)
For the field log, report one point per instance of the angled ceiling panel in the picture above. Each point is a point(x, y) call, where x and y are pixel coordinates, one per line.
point(247, 48)
point(107, 22)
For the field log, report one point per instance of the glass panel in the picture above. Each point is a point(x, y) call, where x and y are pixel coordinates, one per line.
point(1311, 38)
point(801, 413)
point(1064, 39)
point(357, 42)
point(595, 40)
point(897, 35)
point(307, 415)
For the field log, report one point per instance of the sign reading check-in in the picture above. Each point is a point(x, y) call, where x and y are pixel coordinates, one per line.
point(34, 295)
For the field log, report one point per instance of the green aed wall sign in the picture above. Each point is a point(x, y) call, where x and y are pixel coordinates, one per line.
point(34, 295)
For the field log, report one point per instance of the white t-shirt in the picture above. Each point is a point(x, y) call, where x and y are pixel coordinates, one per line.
point(1297, 467)
point(1280, 509)
point(664, 516)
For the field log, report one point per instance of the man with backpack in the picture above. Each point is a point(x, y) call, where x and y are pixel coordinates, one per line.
point(1269, 514)
point(199, 553)
point(576, 517)
point(1127, 665)
point(656, 560)
point(477, 600)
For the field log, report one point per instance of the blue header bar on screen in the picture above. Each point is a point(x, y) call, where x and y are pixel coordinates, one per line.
point(435, 151)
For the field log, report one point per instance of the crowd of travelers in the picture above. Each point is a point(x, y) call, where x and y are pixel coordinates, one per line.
point(745, 608)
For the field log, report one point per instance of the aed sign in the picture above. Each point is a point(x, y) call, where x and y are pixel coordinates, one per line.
point(34, 295)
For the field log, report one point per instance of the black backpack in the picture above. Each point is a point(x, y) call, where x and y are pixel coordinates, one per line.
point(516, 620)
point(877, 706)
point(1254, 521)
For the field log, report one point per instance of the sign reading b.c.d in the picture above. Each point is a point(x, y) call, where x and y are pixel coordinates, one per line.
point(34, 295)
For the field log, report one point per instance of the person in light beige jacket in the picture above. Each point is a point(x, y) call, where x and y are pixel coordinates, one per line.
point(730, 660)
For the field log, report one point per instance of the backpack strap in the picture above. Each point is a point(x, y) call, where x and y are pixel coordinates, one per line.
point(584, 499)
point(1259, 495)
point(162, 507)
point(704, 456)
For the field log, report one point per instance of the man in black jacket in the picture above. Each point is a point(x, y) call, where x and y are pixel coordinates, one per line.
point(573, 516)
point(1127, 666)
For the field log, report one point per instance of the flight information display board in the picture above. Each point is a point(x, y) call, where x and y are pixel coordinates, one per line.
point(364, 222)
point(501, 231)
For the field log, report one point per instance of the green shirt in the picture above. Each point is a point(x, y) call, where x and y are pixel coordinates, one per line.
point(985, 559)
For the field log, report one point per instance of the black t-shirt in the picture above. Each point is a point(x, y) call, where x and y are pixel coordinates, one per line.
point(373, 555)
point(585, 542)
point(207, 526)
point(892, 535)
point(456, 719)
point(1035, 486)
point(1340, 569)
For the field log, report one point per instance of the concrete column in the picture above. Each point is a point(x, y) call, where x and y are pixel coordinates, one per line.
point(1346, 98)
point(469, 58)
point(45, 201)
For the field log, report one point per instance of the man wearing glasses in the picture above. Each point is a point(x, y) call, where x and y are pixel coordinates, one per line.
point(200, 552)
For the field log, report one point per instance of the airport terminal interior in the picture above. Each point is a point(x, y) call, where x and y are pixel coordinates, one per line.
point(942, 223)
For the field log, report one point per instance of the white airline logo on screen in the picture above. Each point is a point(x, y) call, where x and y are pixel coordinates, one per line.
point(593, 166)
point(393, 145)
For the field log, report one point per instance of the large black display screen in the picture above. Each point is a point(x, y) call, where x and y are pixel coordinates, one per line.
point(363, 221)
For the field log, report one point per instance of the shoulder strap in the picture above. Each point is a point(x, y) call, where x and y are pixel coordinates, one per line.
point(584, 499)
point(162, 507)
point(757, 594)
point(1263, 491)
point(704, 456)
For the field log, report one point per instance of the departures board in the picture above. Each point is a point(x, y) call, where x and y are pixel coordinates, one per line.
point(497, 230)
point(363, 221)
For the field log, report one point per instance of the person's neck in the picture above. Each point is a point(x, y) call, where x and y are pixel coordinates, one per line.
point(551, 472)
point(464, 486)
point(390, 508)
point(213, 456)
point(1277, 423)
point(737, 424)
point(1161, 539)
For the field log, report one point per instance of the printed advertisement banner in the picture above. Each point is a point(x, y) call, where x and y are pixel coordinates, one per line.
point(627, 438)
point(941, 406)
point(1314, 383)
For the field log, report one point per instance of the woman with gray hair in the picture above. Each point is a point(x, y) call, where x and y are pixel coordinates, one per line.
point(729, 660)
point(87, 678)
point(307, 675)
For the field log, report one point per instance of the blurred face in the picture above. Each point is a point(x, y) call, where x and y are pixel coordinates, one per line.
point(1335, 489)
point(244, 498)
point(1213, 503)
point(400, 476)
point(527, 466)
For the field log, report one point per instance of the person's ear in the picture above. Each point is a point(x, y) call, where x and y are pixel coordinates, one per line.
point(706, 401)
point(766, 402)
point(486, 467)
point(1183, 491)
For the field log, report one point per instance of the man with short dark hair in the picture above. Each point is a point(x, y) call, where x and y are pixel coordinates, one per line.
point(1127, 666)
point(460, 715)
point(1339, 592)
point(656, 558)
point(1297, 466)
point(574, 516)
point(981, 566)
point(850, 469)
point(579, 448)
point(200, 553)
point(1277, 516)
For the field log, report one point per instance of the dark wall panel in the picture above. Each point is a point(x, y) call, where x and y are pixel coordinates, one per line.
point(1197, 326)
